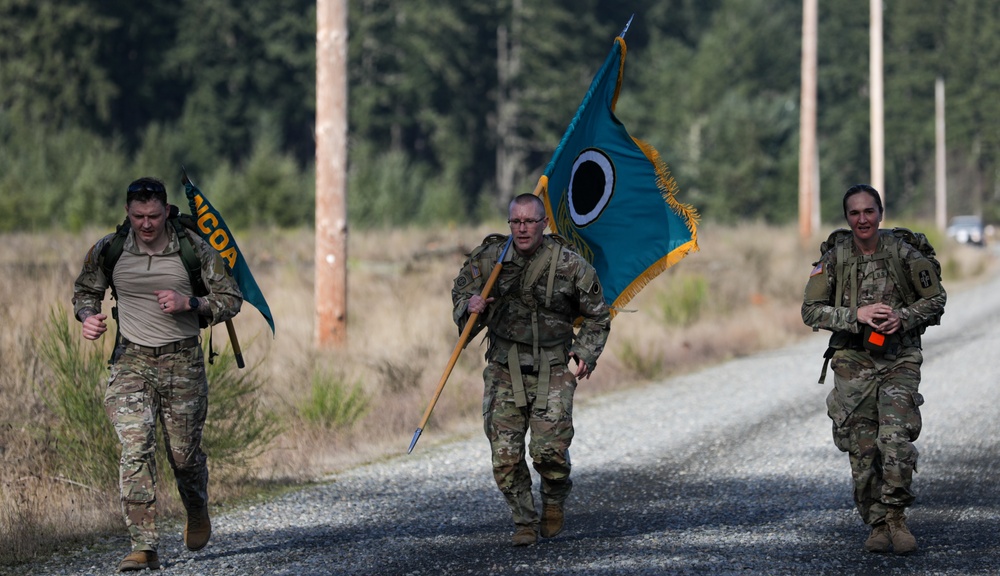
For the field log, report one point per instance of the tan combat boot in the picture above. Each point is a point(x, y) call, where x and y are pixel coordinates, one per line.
point(198, 529)
point(903, 541)
point(552, 520)
point(139, 560)
point(878, 541)
point(524, 536)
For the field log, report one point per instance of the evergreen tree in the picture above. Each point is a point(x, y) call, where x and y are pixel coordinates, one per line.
point(455, 105)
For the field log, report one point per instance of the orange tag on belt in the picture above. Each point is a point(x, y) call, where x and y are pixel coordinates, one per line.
point(876, 339)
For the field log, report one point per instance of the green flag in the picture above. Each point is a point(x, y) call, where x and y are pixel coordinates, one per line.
point(213, 229)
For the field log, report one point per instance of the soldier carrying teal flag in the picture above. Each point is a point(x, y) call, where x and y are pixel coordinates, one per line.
point(213, 229)
point(613, 196)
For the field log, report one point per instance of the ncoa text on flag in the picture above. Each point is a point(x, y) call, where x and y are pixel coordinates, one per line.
point(213, 229)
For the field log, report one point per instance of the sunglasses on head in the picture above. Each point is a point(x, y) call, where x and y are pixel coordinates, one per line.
point(145, 187)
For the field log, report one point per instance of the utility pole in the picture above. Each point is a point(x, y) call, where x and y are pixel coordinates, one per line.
point(331, 174)
point(808, 150)
point(510, 153)
point(877, 98)
point(940, 173)
point(816, 191)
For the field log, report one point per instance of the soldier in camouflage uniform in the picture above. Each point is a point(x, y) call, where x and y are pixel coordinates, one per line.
point(875, 401)
point(158, 369)
point(542, 289)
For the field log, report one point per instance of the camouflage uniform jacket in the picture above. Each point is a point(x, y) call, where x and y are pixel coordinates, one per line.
point(537, 303)
point(222, 302)
point(876, 283)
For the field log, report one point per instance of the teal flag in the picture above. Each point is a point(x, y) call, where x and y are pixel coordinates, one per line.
point(612, 195)
point(213, 229)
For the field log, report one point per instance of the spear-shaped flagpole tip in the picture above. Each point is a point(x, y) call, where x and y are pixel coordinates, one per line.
point(627, 24)
point(184, 176)
point(413, 442)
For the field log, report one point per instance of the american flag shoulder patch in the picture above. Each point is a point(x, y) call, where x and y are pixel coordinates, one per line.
point(817, 270)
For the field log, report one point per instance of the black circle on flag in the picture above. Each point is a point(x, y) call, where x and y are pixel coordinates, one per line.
point(591, 184)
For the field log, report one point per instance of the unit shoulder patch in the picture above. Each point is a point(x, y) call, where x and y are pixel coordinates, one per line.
point(924, 276)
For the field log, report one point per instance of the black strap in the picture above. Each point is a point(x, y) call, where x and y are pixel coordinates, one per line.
point(826, 362)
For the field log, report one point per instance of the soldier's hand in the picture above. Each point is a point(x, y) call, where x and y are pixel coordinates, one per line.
point(477, 305)
point(169, 301)
point(94, 326)
point(881, 317)
point(582, 370)
point(891, 324)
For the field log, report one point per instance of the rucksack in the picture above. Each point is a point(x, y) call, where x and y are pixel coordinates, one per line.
point(840, 240)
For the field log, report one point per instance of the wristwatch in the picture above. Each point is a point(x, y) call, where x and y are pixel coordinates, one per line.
point(194, 302)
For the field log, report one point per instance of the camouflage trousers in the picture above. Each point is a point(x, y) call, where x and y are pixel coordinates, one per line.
point(173, 389)
point(551, 428)
point(875, 408)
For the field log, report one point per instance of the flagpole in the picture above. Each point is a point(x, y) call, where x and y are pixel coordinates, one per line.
point(466, 334)
point(236, 344)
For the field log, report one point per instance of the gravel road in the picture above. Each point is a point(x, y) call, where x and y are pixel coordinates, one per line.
point(730, 470)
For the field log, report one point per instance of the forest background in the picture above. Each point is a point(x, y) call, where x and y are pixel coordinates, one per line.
point(456, 105)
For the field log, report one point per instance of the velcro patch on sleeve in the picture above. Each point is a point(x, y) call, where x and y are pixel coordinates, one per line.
point(925, 279)
point(817, 288)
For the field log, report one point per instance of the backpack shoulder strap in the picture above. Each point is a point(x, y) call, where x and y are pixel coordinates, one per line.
point(900, 277)
point(111, 252)
point(843, 255)
point(838, 241)
point(189, 256)
point(106, 260)
point(549, 260)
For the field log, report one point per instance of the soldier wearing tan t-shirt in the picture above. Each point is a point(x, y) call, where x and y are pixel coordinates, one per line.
point(158, 367)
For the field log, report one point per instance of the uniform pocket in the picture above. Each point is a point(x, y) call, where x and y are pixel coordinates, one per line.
point(123, 380)
point(838, 415)
point(489, 398)
point(835, 408)
point(913, 421)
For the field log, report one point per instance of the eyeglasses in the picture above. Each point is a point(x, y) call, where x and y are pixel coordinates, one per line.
point(519, 223)
point(145, 187)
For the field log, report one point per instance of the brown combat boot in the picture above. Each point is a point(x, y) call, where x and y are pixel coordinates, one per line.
point(198, 529)
point(140, 560)
point(552, 520)
point(878, 541)
point(903, 541)
point(524, 536)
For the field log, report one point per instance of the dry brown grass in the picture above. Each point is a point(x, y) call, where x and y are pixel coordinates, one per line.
point(400, 336)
